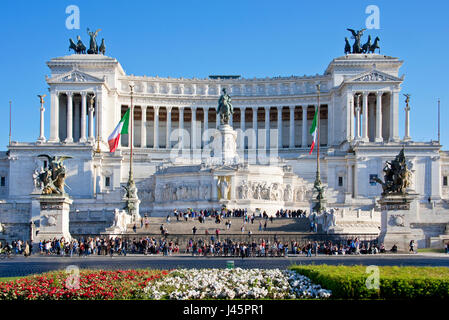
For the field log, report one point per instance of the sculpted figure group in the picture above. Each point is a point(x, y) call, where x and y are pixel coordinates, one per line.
point(397, 176)
point(272, 192)
point(51, 179)
point(368, 47)
point(80, 48)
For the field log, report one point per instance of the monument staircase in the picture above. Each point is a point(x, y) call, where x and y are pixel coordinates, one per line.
point(278, 226)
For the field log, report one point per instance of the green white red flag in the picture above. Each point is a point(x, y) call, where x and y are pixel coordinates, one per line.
point(313, 130)
point(121, 128)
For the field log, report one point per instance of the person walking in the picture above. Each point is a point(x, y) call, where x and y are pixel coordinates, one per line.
point(194, 230)
point(412, 246)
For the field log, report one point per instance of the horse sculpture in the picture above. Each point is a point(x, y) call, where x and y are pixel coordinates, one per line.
point(102, 47)
point(397, 176)
point(225, 109)
point(367, 46)
point(375, 45)
point(79, 47)
point(347, 46)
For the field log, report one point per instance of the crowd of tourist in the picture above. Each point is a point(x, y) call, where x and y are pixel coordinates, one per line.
point(220, 215)
point(213, 246)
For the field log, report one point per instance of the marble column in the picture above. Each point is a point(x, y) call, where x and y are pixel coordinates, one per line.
point(181, 127)
point(206, 123)
point(407, 123)
point(83, 116)
point(100, 115)
point(267, 127)
point(54, 116)
point(394, 110)
point(69, 117)
point(350, 114)
point(304, 127)
point(242, 127)
point(168, 129)
point(193, 128)
point(91, 120)
point(242, 119)
point(365, 117)
point(357, 117)
point(254, 146)
point(291, 144)
point(143, 127)
point(76, 119)
point(41, 128)
point(156, 127)
point(279, 116)
point(379, 137)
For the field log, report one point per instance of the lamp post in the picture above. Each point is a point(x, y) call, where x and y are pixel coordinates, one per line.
point(131, 197)
point(319, 202)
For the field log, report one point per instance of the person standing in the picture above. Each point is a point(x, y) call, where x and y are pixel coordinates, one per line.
point(315, 248)
point(309, 249)
point(26, 252)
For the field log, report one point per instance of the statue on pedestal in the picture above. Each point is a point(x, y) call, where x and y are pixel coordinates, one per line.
point(225, 109)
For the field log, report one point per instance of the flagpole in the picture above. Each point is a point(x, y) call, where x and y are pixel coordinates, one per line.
point(318, 135)
point(318, 207)
point(10, 112)
point(131, 132)
point(438, 120)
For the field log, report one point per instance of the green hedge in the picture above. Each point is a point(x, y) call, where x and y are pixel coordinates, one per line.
point(349, 282)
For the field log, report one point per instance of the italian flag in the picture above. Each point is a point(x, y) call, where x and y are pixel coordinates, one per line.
point(121, 128)
point(313, 130)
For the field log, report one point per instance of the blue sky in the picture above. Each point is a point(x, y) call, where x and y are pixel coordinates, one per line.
point(198, 38)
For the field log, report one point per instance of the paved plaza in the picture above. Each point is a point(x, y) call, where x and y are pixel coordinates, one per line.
point(20, 266)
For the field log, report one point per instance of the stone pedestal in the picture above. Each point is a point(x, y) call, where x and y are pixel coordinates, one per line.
point(396, 214)
point(228, 152)
point(54, 217)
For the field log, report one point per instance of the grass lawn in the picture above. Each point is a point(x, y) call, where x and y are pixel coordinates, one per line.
point(434, 250)
point(10, 279)
point(360, 282)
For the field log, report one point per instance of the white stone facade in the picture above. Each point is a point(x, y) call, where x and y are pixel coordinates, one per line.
point(175, 121)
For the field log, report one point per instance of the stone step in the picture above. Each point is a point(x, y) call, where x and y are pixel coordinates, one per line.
point(278, 225)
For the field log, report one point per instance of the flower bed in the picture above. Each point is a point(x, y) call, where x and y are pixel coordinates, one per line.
point(92, 285)
point(236, 283)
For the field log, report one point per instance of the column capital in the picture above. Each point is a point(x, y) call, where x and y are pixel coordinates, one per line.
point(292, 108)
point(83, 94)
point(255, 108)
point(267, 108)
point(279, 107)
point(193, 108)
point(156, 109)
point(379, 93)
point(206, 108)
point(69, 93)
point(144, 108)
point(168, 109)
